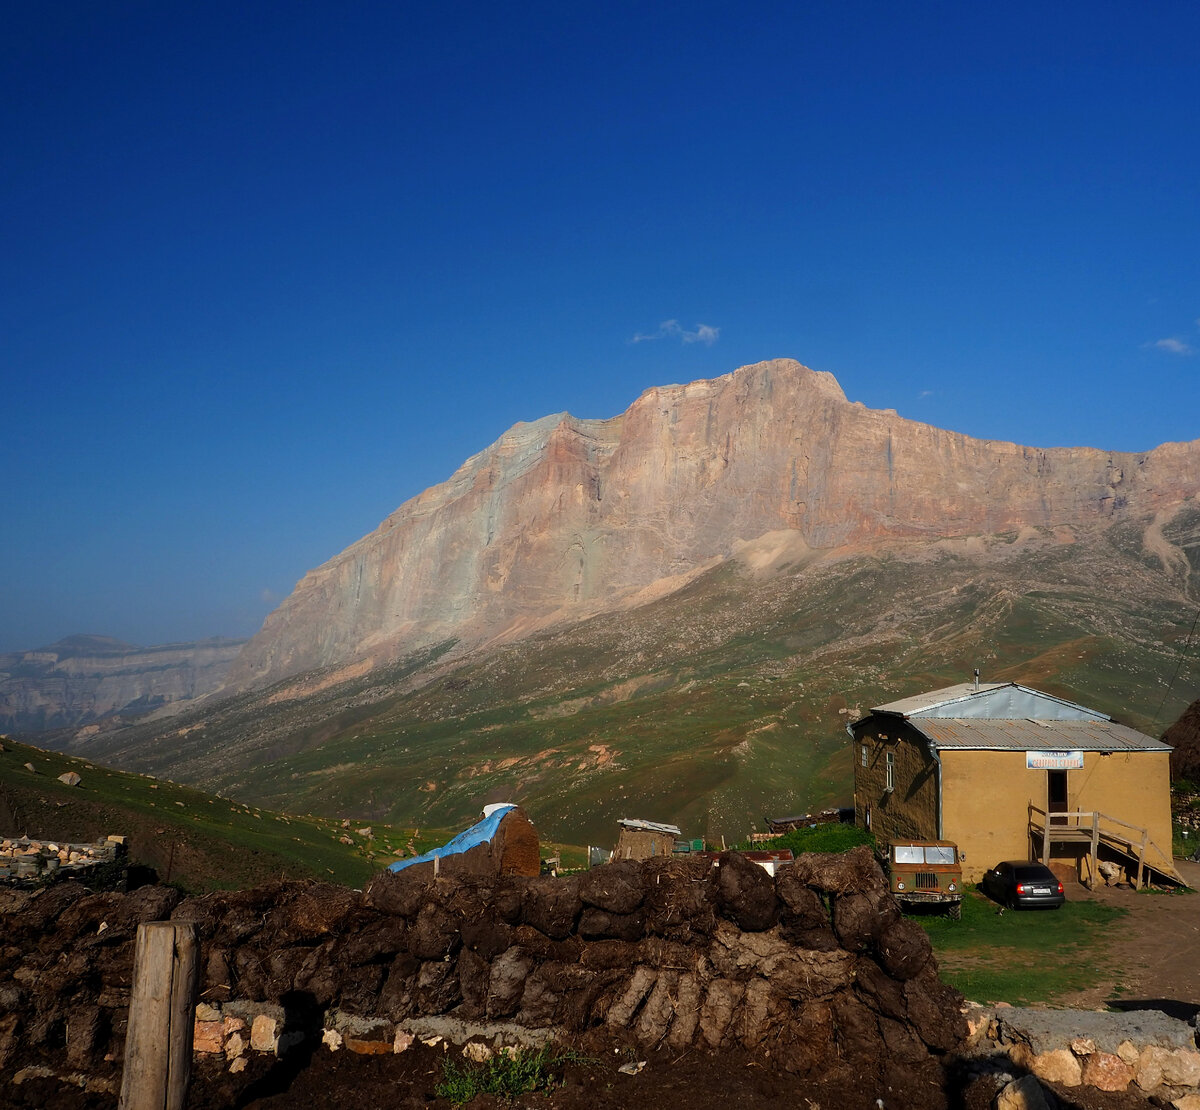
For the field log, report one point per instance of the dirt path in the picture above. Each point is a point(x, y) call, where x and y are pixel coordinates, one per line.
point(1153, 951)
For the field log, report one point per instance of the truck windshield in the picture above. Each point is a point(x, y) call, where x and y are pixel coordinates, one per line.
point(928, 853)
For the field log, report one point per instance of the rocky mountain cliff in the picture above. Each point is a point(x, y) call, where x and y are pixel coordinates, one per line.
point(1184, 737)
point(564, 519)
point(87, 678)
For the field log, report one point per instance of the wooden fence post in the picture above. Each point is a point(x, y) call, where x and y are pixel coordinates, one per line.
point(158, 1044)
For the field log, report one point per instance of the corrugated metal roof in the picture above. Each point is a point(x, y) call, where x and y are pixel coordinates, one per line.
point(1006, 701)
point(636, 825)
point(1090, 736)
point(936, 697)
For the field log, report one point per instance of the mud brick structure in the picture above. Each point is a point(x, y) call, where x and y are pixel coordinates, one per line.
point(814, 968)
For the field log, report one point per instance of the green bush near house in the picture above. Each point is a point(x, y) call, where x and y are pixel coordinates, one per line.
point(832, 837)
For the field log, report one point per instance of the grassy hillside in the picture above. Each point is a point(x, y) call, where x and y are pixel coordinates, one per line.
point(196, 840)
point(720, 703)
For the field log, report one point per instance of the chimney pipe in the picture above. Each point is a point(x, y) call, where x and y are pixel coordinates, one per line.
point(976, 678)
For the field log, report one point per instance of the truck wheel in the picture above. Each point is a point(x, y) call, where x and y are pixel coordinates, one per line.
point(956, 912)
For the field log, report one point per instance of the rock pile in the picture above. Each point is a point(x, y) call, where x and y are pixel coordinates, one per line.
point(815, 968)
point(23, 858)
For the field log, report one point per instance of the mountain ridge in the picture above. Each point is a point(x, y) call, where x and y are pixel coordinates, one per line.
point(561, 518)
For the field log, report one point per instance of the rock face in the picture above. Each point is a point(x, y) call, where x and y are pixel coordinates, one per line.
point(1184, 737)
point(84, 678)
point(565, 518)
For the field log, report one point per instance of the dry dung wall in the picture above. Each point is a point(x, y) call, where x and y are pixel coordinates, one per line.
point(815, 967)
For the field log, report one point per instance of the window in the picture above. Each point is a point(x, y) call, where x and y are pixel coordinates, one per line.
point(891, 767)
point(864, 755)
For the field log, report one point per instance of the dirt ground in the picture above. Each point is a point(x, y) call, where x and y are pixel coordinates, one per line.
point(1153, 960)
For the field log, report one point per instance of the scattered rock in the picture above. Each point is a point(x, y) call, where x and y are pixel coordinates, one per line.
point(1025, 1093)
point(263, 1032)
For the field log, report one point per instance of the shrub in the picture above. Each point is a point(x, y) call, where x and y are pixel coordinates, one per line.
point(831, 837)
point(505, 1075)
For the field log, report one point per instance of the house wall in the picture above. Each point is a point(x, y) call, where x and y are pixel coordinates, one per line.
point(641, 844)
point(986, 795)
point(909, 810)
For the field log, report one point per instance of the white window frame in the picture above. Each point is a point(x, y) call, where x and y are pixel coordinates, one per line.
point(891, 772)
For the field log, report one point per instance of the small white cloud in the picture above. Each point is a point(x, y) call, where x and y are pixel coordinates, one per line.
point(268, 596)
point(925, 393)
point(1175, 346)
point(703, 333)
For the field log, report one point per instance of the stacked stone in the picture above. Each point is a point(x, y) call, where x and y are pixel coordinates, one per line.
point(23, 858)
point(1143, 1050)
point(815, 968)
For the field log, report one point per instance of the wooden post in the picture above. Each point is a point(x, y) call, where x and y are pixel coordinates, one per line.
point(1095, 847)
point(158, 1044)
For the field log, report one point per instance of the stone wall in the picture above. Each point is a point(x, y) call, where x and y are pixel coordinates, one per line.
point(1145, 1051)
point(814, 968)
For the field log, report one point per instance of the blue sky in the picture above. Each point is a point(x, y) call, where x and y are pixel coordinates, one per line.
point(270, 269)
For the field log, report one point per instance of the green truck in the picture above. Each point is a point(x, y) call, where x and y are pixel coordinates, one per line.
point(926, 873)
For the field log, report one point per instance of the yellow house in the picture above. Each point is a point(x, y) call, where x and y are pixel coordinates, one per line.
point(1007, 772)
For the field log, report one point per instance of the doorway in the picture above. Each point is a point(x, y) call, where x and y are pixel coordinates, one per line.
point(1056, 796)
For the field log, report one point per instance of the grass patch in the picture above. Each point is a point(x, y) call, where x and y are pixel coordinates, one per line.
point(505, 1075)
point(1019, 956)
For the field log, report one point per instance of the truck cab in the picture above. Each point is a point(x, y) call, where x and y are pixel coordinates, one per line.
point(926, 873)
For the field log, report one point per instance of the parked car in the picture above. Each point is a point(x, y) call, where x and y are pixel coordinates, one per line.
point(926, 873)
point(1023, 885)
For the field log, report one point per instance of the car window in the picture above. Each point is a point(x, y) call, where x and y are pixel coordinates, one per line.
point(944, 854)
point(1031, 874)
point(909, 853)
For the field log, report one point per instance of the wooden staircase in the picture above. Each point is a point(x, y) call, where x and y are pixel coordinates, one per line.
point(1095, 829)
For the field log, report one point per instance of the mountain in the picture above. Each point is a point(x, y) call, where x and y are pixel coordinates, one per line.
point(674, 613)
point(562, 519)
point(84, 679)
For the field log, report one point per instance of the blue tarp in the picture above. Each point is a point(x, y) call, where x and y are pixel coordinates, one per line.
point(481, 833)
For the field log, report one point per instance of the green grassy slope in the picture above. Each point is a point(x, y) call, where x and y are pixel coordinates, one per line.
point(196, 840)
point(709, 708)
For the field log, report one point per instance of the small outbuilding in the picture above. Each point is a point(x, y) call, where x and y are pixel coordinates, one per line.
point(1008, 772)
point(644, 839)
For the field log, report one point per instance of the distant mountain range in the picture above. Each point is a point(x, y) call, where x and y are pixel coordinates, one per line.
point(84, 679)
point(672, 614)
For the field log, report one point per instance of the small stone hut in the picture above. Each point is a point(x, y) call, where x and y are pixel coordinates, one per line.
point(644, 840)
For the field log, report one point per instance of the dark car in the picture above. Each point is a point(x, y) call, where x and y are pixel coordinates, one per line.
point(1023, 885)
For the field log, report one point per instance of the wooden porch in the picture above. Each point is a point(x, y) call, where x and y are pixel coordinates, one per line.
point(1095, 829)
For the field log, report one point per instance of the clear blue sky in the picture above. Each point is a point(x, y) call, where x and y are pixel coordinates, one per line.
point(270, 269)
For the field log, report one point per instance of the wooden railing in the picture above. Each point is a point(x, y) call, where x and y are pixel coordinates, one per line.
point(1086, 826)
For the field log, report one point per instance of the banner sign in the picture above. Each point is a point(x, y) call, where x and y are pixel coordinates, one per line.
point(1053, 761)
